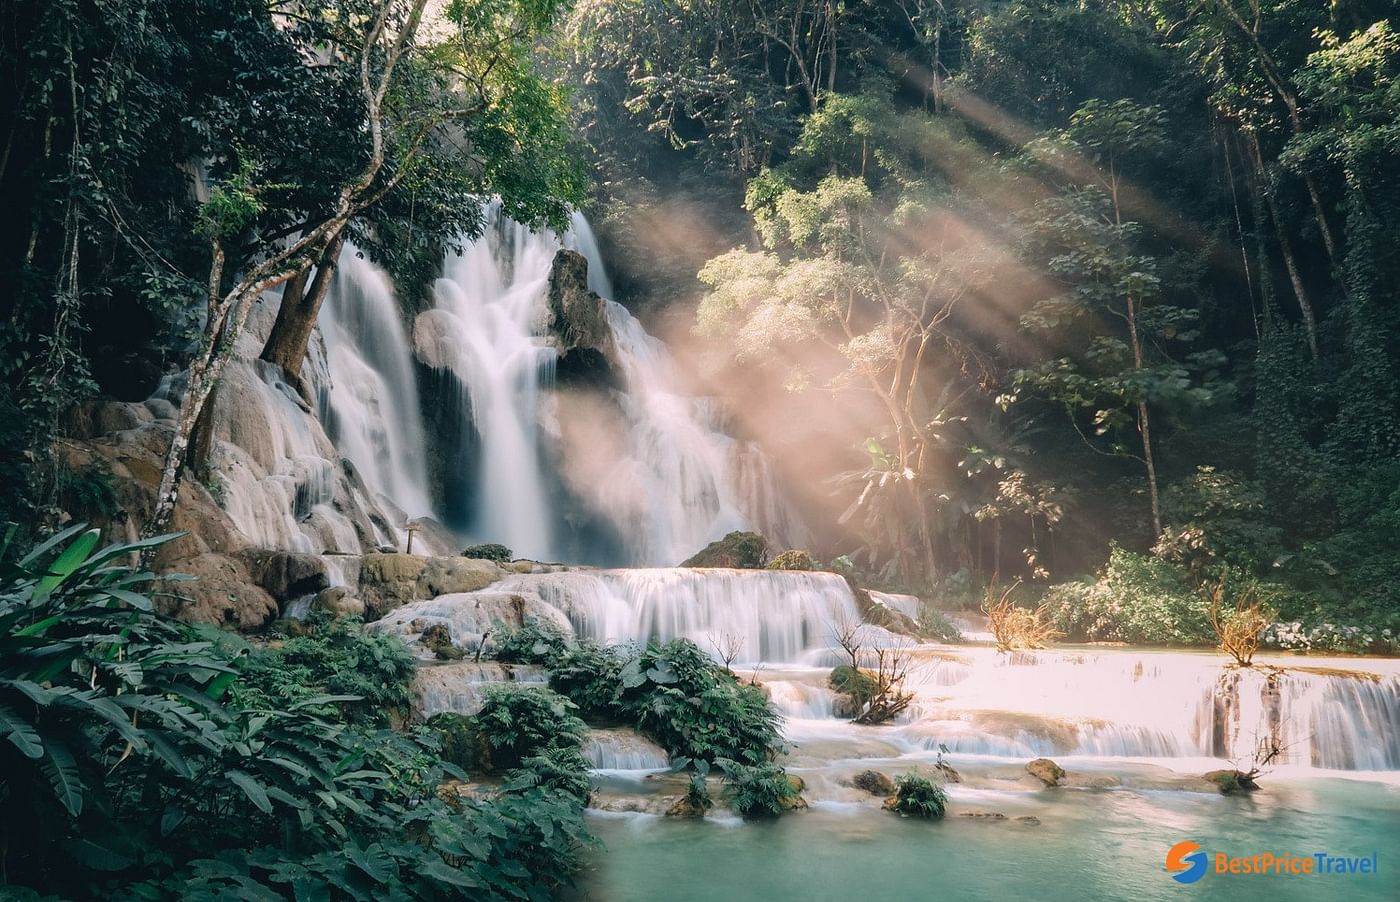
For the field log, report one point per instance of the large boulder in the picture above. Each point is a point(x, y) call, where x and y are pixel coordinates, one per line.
point(797, 559)
point(221, 592)
point(578, 318)
point(286, 575)
point(389, 581)
point(742, 550)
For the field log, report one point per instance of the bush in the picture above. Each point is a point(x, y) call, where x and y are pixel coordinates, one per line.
point(561, 770)
point(757, 790)
point(535, 642)
point(522, 722)
point(335, 657)
point(696, 709)
point(137, 766)
point(936, 624)
point(794, 560)
point(491, 551)
point(460, 741)
point(1215, 519)
point(590, 676)
point(917, 796)
point(1138, 598)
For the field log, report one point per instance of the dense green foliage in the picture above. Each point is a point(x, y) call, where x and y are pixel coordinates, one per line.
point(521, 722)
point(137, 765)
point(1025, 278)
point(673, 692)
point(757, 790)
point(917, 796)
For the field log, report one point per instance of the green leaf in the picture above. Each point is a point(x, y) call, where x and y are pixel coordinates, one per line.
point(70, 560)
point(374, 861)
point(58, 765)
point(21, 733)
point(252, 788)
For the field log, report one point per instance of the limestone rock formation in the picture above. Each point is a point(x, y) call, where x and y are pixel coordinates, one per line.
point(741, 550)
point(874, 782)
point(1046, 771)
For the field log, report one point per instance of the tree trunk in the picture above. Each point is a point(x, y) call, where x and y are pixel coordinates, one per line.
point(1289, 262)
point(1145, 426)
point(296, 317)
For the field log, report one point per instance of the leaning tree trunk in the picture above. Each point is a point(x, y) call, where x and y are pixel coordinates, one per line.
point(296, 317)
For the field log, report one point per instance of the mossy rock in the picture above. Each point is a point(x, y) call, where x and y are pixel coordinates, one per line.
point(796, 559)
point(858, 685)
point(438, 640)
point(1232, 782)
point(740, 550)
point(462, 741)
point(1046, 771)
point(491, 551)
point(875, 783)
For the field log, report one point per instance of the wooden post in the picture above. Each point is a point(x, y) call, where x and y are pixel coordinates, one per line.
point(411, 530)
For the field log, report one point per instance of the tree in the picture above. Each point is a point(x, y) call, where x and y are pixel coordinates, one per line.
point(1112, 290)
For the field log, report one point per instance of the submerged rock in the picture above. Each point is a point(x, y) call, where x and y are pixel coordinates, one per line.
point(338, 602)
point(874, 782)
point(737, 550)
point(1046, 771)
point(684, 807)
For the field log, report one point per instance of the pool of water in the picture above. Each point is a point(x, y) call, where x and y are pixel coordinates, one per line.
point(1090, 844)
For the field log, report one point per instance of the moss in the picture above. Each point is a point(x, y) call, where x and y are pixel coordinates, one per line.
point(796, 559)
point(859, 685)
point(741, 550)
point(438, 640)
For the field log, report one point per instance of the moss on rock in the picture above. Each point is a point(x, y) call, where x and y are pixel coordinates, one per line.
point(795, 559)
point(741, 550)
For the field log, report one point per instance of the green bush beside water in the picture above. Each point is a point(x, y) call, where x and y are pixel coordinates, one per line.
point(140, 758)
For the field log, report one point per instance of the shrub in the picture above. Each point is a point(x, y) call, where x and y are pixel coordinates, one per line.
point(917, 796)
point(757, 790)
point(1015, 627)
point(1137, 598)
point(590, 676)
point(562, 770)
point(535, 642)
point(491, 551)
point(130, 777)
point(696, 709)
point(1216, 519)
point(460, 741)
point(936, 624)
point(875, 695)
point(335, 657)
point(797, 559)
point(522, 722)
point(1240, 625)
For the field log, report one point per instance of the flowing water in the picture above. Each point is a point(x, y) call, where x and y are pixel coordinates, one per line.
point(1134, 728)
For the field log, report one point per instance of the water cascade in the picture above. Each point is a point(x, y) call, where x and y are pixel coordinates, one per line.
point(677, 480)
point(369, 401)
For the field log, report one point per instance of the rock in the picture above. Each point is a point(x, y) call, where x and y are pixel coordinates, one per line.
point(1046, 771)
point(450, 575)
point(286, 575)
point(223, 593)
point(984, 815)
point(578, 318)
point(798, 559)
point(438, 640)
point(1230, 782)
point(683, 807)
point(162, 409)
point(892, 620)
point(1029, 820)
point(874, 782)
point(117, 416)
point(436, 343)
point(389, 581)
point(950, 774)
point(742, 550)
point(338, 602)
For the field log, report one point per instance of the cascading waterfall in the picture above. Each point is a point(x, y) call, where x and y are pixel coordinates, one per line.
point(370, 404)
point(679, 481)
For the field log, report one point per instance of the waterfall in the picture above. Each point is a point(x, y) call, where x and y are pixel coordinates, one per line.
point(370, 404)
point(677, 481)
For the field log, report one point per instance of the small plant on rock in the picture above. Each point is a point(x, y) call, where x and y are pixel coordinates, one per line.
point(759, 790)
point(916, 795)
point(797, 559)
point(876, 695)
point(1239, 626)
point(491, 551)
